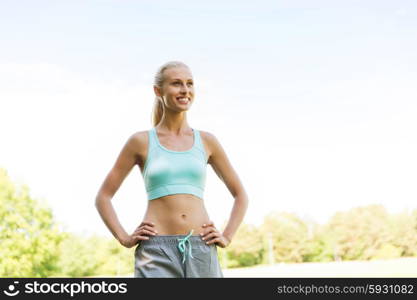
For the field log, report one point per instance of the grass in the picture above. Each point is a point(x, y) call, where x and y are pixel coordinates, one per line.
point(401, 267)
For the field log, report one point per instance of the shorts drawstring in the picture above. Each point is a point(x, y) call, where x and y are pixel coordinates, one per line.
point(182, 247)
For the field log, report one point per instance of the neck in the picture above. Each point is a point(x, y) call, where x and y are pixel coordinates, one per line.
point(174, 122)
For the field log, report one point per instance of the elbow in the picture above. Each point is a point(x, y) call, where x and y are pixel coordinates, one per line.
point(97, 203)
point(100, 199)
point(242, 197)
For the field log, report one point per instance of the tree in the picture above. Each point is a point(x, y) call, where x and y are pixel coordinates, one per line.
point(246, 249)
point(82, 256)
point(289, 233)
point(403, 228)
point(360, 232)
point(29, 237)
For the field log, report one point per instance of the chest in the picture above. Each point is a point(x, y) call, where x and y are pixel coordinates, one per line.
point(173, 144)
point(163, 167)
point(176, 143)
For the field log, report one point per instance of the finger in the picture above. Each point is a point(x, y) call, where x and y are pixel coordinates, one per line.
point(149, 223)
point(210, 223)
point(147, 228)
point(207, 231)
point(210, 236)
point(141, 238)
point(209, 227)
point(144, 231)
point(216, 240)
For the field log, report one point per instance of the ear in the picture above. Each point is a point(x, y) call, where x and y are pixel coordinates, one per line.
point(157, 91)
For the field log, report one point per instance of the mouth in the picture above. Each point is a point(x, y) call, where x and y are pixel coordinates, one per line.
point(183, 100)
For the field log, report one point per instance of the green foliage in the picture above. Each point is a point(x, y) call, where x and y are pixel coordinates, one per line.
point(29, 238)
point(93, 256)
point(363, 233)
point(289, 234)
point(403, 229)
point(387, 251)
point(320, 248)
point(246, 249)
point(32, 245)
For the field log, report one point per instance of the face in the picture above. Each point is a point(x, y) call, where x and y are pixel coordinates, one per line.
point(177, 90)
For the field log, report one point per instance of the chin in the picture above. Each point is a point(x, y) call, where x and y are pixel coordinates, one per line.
point(184, 108)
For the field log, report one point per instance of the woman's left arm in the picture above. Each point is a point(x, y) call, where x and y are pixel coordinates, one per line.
point(224, 170)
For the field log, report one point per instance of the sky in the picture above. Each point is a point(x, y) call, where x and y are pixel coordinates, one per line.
point(315, 103)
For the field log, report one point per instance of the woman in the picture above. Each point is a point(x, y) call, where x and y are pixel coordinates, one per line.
point(176, 237)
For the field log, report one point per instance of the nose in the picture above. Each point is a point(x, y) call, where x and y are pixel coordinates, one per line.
point(185, 88)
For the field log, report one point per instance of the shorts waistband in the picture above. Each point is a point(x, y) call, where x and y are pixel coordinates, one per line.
point(182, 242)
point(172, 239)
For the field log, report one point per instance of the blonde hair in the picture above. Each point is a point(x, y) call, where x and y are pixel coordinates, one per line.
point(158, 108)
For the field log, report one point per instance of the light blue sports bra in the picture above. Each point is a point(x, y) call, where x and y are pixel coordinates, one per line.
point(168, 172)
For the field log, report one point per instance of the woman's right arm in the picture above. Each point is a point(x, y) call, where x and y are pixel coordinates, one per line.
point(126, 160)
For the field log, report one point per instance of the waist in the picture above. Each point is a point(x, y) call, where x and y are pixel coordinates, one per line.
point(177, 214)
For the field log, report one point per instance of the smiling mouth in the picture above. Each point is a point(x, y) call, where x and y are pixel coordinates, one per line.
point(183, 100)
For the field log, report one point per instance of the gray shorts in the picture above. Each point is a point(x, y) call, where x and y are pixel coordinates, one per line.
point(176, 256)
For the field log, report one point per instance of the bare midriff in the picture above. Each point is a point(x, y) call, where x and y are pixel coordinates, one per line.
point(177, 214)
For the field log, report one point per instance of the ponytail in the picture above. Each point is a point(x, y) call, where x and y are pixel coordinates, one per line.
point(158, 111)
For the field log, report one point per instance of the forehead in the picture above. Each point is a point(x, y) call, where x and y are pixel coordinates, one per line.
point(178, 73)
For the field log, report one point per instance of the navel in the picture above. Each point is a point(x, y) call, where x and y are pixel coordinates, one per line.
point(183, 216)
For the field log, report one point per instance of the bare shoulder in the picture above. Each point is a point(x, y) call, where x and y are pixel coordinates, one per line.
point(208, 137)
point(139, 138)
point(138, 142)
point(211, 142)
